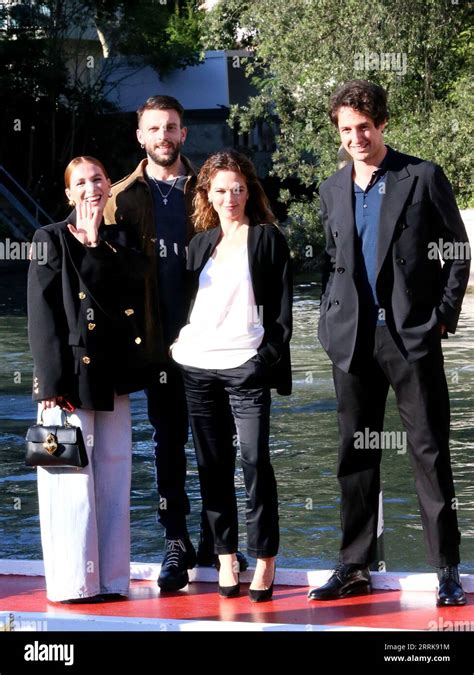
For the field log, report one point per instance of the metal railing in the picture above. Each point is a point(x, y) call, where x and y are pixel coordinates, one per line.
point(21, 201)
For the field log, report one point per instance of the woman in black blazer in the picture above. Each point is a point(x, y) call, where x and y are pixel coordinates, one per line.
point(90, 350)
point(234, 349)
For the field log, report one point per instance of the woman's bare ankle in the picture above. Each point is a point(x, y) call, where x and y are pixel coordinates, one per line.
point(229, 569)
point(264, 574)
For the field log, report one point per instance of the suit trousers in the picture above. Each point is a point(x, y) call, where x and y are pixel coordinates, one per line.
point(85, 513)
point(423, 403)
point(216, 400)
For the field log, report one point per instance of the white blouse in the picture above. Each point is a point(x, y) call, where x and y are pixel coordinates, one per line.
point(225, 327)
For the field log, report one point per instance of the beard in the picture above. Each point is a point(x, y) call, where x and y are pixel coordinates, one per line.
point(169, 160)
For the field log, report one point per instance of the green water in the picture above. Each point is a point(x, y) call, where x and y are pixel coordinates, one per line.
point(303, 446)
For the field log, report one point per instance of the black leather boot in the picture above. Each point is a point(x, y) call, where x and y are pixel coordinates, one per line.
point(180, 557)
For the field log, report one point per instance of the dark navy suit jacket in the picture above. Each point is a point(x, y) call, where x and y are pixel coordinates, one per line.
point(417, 292)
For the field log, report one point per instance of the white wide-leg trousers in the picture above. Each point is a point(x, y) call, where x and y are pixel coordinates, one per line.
point(85, 513)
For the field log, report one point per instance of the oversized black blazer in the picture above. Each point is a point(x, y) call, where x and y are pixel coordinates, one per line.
point(271, 274)
point(86, 319)
point(417, 292)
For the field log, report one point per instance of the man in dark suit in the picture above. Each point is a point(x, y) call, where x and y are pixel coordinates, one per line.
point(387, 302)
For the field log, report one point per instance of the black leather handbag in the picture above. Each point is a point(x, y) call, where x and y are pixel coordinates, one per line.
point(55, 446)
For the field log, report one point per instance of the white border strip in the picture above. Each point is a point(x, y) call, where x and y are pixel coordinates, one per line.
point(45, 622)
point(386, 581)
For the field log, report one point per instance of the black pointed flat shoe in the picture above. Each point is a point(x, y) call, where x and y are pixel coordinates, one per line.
point(113, 597)
point(82, 601)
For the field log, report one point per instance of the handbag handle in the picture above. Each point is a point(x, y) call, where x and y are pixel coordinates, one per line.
point(64, 420)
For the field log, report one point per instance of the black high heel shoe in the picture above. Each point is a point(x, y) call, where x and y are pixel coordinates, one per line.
point(262, 595)
point(229, 591)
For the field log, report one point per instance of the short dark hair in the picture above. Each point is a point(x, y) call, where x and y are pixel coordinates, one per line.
point(161, 103)
point(365, 97)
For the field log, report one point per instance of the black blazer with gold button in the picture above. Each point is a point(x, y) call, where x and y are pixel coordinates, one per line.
point(414, 289)
point(271, 274)
point(86, 319)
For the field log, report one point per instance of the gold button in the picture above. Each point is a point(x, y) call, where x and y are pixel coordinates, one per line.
point(138, 340)
point(129, 312)
point(82, 295)
point(86, 360)
point(91, 326)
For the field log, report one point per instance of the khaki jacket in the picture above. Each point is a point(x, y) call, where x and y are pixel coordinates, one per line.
point(131, 208)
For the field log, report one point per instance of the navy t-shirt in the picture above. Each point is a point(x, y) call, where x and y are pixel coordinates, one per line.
point(170, 223)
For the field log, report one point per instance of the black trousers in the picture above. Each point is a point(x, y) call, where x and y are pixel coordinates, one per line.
point(168, 415)
point(167, 412)
point(423, 403)
point(216, 400)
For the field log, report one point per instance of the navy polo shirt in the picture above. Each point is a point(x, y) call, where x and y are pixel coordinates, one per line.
point(367, 205)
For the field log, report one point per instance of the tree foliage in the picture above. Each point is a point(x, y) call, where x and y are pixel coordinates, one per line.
point(420, 51)
point(55, 60)
point(165, 34)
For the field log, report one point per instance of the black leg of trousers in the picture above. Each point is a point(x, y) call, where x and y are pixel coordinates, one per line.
point(423, 403)
point(223, 412)
point(361, 399)
point(168, 415)
point(251, 411)
point(215, 445)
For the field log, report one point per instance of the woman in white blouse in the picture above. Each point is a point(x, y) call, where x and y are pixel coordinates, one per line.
point(234, 349)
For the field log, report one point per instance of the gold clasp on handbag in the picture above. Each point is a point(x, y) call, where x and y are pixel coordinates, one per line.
point(51, 444)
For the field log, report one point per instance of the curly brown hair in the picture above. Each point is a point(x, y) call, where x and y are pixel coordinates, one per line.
point(257, 207)
point(364, 96)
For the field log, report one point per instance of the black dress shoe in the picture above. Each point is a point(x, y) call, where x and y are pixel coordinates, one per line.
point(205, 557)
point(450, 591)
point(180, 557)
point(346, 580)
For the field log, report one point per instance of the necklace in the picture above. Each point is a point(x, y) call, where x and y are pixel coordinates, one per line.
point(164, 197)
